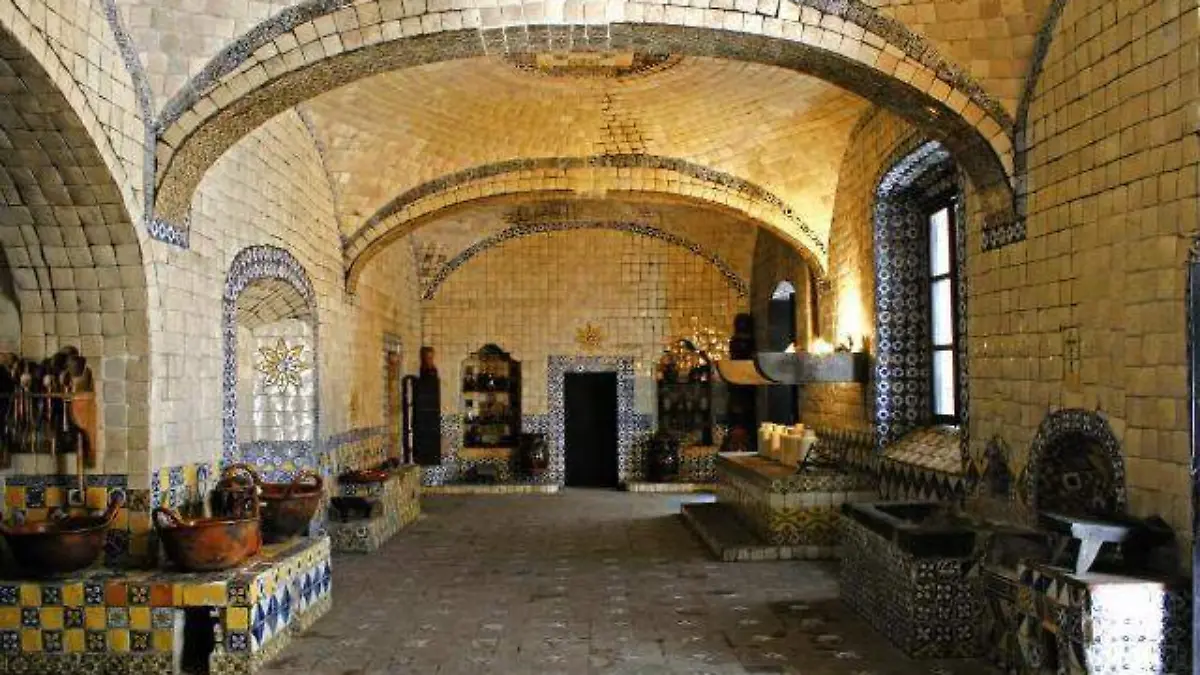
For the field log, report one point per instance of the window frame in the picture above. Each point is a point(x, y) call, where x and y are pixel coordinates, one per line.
point(950, 205)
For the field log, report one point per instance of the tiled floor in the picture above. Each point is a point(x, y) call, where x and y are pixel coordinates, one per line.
point(582, 582)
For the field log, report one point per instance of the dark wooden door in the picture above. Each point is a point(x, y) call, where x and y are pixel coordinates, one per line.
point(591, 429)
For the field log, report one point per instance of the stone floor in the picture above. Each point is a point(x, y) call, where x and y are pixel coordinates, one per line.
point(582, 582)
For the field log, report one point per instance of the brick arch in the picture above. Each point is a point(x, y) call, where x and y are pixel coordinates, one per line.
point(68, 240)
point(735, 281)
point(322, 44)
point(358, 256)
point(642, 174)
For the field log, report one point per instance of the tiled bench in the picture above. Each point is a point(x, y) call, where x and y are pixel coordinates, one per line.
point(786, 508)
point(103, 621)
point(400, 504)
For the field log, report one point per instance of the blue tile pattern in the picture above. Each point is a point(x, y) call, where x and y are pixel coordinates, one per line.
point(249, 265)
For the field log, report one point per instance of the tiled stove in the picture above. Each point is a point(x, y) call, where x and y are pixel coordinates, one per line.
point(786, 508)
point(399, 499)
point(1100, 623)
point(107, 622)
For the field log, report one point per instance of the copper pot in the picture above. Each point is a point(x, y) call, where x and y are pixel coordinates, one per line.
point(236, 494)
point(362, 476)
point(207, 544)
point(287, 508)
point(63, 545)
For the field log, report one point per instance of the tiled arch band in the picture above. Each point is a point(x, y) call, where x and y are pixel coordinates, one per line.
point(735, 281)
point(258, 263)
point(190, 142)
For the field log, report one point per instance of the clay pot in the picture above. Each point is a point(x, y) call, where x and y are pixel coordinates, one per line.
point(287, 508)
point(207, 544)
point(60, 546)
point(236, 494)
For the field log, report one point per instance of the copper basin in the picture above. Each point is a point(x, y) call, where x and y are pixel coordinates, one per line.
point(363, 476)
point(287, 508)
point(207, 544)
point(60, 546)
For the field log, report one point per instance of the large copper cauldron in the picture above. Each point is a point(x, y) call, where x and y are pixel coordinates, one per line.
point(287, 508)
point(207, 544)
point(62, 545)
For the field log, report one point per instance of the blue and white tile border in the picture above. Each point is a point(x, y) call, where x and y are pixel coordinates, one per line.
point(627, 417)
point(249, 265)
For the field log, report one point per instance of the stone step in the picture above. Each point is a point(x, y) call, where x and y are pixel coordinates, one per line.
point(719, 527)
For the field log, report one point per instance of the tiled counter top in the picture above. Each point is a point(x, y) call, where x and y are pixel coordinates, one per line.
point(136, 622)
point(786, 508)
point(400, 504)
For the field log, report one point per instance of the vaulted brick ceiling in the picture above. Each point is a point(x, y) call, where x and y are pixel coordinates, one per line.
point(779, 130)
point(714, 234)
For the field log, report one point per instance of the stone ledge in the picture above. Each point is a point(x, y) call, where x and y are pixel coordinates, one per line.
point(722, 531)
point(504, 489)
point(669, 488)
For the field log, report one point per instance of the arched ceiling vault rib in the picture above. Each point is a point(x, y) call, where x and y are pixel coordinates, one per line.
point(559, 170)
point(736, 282)
point(844, 42)
point(359, 253)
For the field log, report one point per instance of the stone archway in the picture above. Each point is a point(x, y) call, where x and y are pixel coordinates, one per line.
point(285, 291)
point(846, 43)
point(72, 250)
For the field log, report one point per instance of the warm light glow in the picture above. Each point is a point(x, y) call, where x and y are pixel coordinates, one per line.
point(820, 347)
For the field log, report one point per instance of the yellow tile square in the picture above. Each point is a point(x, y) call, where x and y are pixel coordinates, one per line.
point(31, 595)
point(72, 595)
point(52, 618)
point(10, 618)
point(55, 496)
point(73, 641)
point(15, 497)
point(121, 521)
point(118, 640)
point(95, 618)
point(139, 522)
point(162, 640)
point(204, 595)
point(237, 618)
point(31, 640)
point(97, 497)
point(139, 618)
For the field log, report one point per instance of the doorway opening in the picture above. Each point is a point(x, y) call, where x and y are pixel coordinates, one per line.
point(591, 429)
point(781, 334)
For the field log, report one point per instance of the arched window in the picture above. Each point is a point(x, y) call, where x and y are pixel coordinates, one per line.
point(919, 377)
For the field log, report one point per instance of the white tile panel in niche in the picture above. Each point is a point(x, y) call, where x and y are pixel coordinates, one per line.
point(627, 417)
point(278, 268)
